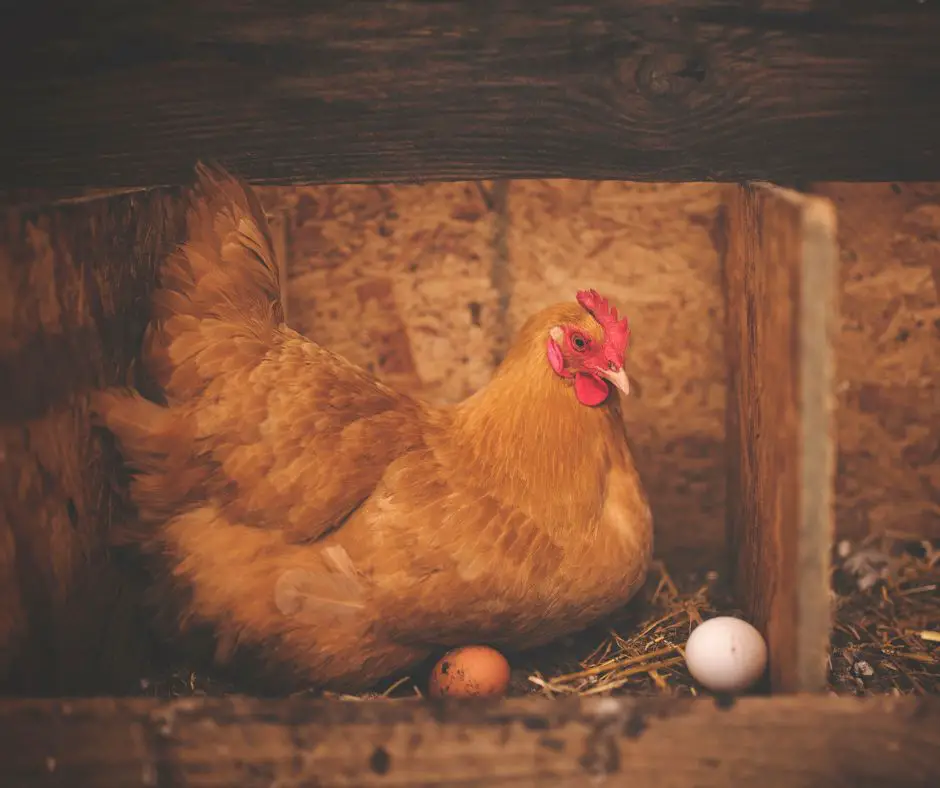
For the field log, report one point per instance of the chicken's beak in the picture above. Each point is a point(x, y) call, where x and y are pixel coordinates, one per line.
point(619, 379)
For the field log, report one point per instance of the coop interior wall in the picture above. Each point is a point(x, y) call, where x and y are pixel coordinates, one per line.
point(888, 358)
point(425, 285)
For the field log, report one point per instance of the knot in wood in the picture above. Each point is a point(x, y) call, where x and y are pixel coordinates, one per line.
point(670, 75)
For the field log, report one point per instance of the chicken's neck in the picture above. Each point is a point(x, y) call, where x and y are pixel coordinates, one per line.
point(533, 444)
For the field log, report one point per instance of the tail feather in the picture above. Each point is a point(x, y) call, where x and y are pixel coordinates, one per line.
point(156, 442)
point(215, 311)
point(225, 274)
point(227, 225)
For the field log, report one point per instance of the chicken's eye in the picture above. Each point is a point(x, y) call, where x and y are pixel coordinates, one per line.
point(578, 342)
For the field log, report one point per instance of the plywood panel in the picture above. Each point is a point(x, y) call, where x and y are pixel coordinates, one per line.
point(426, 285)
point(888, 358)
point(396, 278)
point(370, 271)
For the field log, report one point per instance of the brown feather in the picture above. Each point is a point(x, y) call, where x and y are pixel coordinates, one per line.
point(344, 528)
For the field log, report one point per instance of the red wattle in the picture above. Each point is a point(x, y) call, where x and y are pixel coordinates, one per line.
point(590, 389)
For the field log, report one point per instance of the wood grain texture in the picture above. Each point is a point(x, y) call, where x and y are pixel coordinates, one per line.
point(655, 742)
point(781, 275)
point(74, 284)
point(888, 358)
point(117, 93)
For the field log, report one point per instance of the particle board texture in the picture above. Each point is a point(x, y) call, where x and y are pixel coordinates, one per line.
point(396, 278)
point(780, 273)
point(74, 285)
point(425, 285)
point(132, 94)
point(888, 358)
point(660, 742)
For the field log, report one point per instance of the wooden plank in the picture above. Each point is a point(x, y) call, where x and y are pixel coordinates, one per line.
point(781, 272)
point(887, 428)
point(75, 280)
point(134, 93)
point(657, 742)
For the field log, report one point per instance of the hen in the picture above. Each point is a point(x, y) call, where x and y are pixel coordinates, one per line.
point(347, 531)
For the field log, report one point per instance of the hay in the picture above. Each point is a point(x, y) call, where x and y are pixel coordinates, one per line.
point(650, 661)
point(885, 640)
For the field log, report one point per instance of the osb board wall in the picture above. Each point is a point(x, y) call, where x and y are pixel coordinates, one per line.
point(425, 284)
point(888, 358)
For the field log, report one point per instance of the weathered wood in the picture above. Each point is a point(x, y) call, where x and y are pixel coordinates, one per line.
point(74, 292)
point(134, 93)
point(781, 276)
point(656, 742)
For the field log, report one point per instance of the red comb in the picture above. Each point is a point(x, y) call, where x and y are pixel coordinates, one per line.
point(616, 331)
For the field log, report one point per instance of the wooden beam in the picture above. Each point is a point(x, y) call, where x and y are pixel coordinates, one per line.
point(781, 269)
point(134, 93)
point(656, 742)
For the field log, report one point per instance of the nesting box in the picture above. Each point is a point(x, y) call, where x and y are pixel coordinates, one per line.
point(695, 162)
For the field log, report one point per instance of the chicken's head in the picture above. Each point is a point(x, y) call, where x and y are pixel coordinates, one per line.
point(591, 351)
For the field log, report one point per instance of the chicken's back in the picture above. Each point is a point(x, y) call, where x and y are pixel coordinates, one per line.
point(249, 416)
point(343, 528)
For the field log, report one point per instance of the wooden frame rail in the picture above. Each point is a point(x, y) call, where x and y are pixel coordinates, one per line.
point(656, 742)
point(132, 94)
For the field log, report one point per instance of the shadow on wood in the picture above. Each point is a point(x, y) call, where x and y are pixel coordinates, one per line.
point(781, 276)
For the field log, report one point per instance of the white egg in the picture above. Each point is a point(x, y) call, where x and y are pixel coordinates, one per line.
point(726, 654)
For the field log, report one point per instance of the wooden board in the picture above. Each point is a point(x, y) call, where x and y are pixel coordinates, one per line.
point(888, 359)
point(655, 742)
point(75, 280)
point(781, 274)
point(134, 93)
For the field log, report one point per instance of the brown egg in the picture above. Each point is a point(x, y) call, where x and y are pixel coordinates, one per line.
point(469, 671)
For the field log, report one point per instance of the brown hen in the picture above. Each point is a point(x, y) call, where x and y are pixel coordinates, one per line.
point(345, 530)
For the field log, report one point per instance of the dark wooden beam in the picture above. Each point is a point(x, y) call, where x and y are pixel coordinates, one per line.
point(110, 93)
point(655, 742)
point(781, 275)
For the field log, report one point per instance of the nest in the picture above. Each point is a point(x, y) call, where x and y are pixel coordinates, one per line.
point(885, 639)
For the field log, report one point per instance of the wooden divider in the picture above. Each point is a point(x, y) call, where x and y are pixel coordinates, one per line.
point(780, 269)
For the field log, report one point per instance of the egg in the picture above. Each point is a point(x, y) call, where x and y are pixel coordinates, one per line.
point(469, 671)
point(726, 654)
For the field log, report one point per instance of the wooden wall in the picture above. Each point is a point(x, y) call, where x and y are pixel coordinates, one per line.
point(888, 358)
point(425, 284)
point(74, 289)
